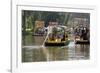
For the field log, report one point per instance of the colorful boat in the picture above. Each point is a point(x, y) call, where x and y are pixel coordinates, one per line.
point(57, 37)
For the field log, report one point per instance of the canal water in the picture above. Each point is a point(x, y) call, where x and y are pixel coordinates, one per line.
point(32, 50)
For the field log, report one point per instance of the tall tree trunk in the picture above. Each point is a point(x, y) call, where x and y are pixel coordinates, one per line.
point(67, 15)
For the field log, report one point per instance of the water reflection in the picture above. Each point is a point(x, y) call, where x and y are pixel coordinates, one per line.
point(32, 40)
point(33, 53)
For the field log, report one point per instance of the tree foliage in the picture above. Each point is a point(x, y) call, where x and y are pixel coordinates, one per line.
point(29, 18)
